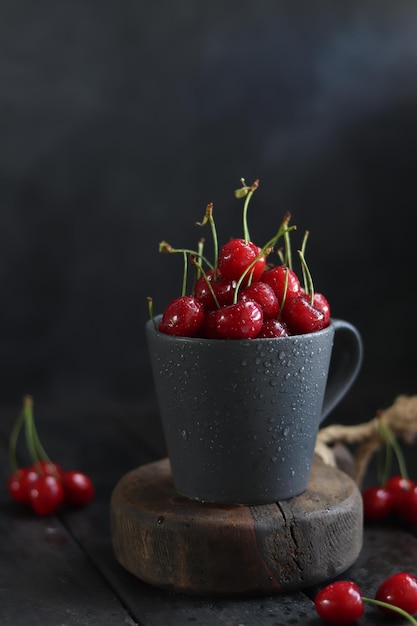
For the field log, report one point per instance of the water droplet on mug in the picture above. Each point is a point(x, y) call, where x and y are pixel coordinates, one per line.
point(244, 363)
point(281, 356)
point(286, 431)
point(288, 375)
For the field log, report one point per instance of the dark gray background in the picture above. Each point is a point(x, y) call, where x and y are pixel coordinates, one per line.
point(121, 120)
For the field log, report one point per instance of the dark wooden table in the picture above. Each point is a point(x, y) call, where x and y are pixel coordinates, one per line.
point(61, 570)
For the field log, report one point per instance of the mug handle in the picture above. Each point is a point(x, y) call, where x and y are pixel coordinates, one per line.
point(345, 363)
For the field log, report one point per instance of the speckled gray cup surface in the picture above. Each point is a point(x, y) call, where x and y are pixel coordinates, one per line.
point(240, 417)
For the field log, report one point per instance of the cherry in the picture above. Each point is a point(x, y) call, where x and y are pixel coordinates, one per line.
point(406, 505)
point(340, 602)
point(302, 317)
point(273, 328)
point(78, 488)
point(321, 303)
point(398, 487)
point(264, 295)
point(182, 317)
point(46, 495)
point(399, 590)
point(242, 320)
point(276, 278)
point(223, 290)
point(378, 502)
point(236, 255)
point(20, 482)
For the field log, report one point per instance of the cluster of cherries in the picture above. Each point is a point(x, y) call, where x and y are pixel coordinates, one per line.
point(240, 295)
point(342, 602)
point(397, 496)
point(43, 485)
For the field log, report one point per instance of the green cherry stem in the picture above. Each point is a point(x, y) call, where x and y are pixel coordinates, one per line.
point(265, 250)
point(208, 217)
point(166, 248)
point(184, 275)
point(303, 252)
point(391, 607)
point(194, 262)
point(392, 441)
point(284, 294)
point(247, 193)
point(14, 436)
point(35, 447)
point(151, 313)
point(308, 276)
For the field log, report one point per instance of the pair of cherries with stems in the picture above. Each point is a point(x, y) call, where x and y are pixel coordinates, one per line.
point(238, 296)
point(342, 602)
point(395, 494)
point(43, 484)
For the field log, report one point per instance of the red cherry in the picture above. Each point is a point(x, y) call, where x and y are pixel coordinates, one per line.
point(302, 317)
point(406, 505)
point(182, 317)
point(398, 486)
point(50, 468)
point(321, 303)
point(377, 503)
point(46, 495)
point(273, 328)
point(224, 291)
point(276, 277)
point(399, 590)
point(264, 295)
point(236, 255)
point(340, 602)
point(78, 488)
point(237, 321)
point(20, 482)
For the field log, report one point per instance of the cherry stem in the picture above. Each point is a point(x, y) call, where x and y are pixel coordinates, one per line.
point(35, 447)
point(288, 255)
point(201, 270)
point(303, 250)
point(265, 250)
point(392, 441)
point(308, 277)
point(200, 255)
point(208, 217)
point(165, 247)
point(391, 607)
point(13, 441)
point(151, 314)
point(284, 294)
point(247, 193)
point(184, 276)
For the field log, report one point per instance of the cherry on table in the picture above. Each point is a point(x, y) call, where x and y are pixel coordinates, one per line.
point(340, 602)
point(378, 503)
point(19, 483)
point(46, 495)
point(78, 488)
point(399, 590)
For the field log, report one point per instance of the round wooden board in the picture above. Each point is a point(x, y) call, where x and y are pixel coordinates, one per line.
point(179, 544)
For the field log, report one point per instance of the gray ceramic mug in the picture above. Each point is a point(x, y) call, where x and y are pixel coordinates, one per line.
point(240, 417)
